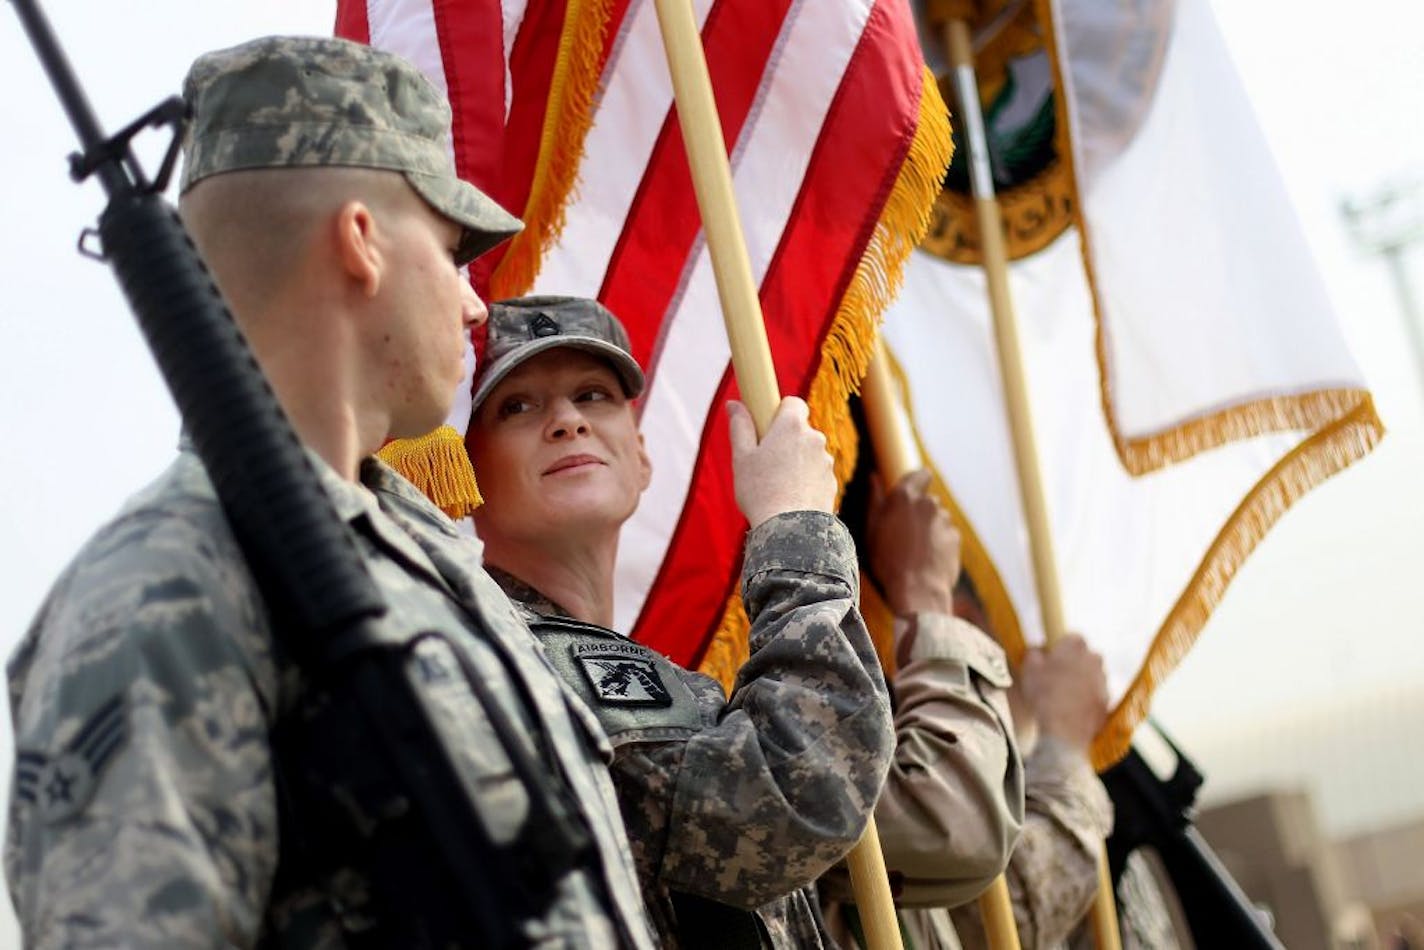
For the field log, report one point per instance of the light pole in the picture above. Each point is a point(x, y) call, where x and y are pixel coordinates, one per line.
point(1387, 223)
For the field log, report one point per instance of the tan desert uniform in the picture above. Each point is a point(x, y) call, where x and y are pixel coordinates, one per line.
point(1053, 873)
point(954, 802)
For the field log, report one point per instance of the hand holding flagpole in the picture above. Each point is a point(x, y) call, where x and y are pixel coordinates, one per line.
point(751, 352)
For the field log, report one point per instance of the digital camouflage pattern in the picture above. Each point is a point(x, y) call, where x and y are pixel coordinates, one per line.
point(953, 805)
point(751, 802)
point(1053, 874)
point(158, 826)
point(527, 326)
point(286, 102)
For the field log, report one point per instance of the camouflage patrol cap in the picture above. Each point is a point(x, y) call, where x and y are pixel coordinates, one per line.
point(294, 101)
point(527, 326)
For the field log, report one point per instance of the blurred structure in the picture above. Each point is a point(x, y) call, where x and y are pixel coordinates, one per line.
point(1388, 223)
point(1364, 892)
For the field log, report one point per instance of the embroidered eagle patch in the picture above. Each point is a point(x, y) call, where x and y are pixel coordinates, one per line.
point(623, 680)
point(61, 785)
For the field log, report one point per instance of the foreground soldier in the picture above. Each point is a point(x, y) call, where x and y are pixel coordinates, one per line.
point(147, 808)
point(731, 805)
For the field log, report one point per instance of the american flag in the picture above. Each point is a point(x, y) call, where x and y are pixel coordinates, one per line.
point(838, 139)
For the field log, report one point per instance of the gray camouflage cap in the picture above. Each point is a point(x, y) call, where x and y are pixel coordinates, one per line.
point(527, 326)
point(293, 101)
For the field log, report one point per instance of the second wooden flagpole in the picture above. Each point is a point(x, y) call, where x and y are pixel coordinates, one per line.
point(896, 456)
point(751, 353)
point(996, 272)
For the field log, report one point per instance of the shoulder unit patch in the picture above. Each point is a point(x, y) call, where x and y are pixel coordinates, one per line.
point(622, 677)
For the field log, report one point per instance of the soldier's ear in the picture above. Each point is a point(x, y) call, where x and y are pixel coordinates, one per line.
point(645, 465)
point(354, 234)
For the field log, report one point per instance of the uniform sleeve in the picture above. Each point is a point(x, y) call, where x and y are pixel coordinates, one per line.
point(143, 812)
point(1054, 870)
point(781, 786)
point(954, 801)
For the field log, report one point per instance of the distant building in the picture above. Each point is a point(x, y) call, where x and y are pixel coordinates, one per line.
point(1365, 892)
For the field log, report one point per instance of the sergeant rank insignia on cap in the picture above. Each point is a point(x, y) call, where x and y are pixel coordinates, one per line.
point(621, 676)
point(62, 785)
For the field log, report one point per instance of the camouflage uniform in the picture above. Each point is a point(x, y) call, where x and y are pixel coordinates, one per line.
point(147, 808)
point(953, 805)
point(145, 812)
point(743, 801)
point(1053, 874)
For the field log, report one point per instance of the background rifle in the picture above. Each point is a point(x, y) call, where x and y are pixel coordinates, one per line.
point(1155, 811)
point(364, 779)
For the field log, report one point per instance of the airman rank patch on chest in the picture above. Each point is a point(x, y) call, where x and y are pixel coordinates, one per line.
point(622, 675)
point(61, 784)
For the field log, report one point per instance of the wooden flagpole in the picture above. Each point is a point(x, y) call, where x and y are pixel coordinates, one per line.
point(751, 353)
point(996, 272)
point(896, 456)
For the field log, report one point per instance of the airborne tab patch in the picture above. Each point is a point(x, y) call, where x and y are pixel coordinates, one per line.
point(620, 676)
point(63, 784)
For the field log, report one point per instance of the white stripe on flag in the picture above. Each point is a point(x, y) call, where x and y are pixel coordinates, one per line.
point(634, 100)
point(773, 155)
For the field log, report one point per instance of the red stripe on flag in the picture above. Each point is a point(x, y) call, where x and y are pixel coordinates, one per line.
point(662, 224)
point(531, 64)
point(686, 599)
point(855, 162)
point(471, 38)
point(351, 22)
point(822, 244)
point(617, 13)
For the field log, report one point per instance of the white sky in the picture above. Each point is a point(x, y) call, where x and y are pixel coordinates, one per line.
point(1329, 606)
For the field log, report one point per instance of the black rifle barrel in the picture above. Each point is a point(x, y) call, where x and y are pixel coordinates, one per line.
point(71, 95)
point(294, 540)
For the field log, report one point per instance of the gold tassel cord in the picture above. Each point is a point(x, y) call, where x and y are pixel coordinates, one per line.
point(567, 118)
point(439, 466)
point(850, 341)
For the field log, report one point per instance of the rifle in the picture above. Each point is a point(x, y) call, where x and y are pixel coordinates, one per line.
point(1156, 811)
point(364, 778)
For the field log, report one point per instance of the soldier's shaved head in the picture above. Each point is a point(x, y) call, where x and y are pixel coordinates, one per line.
point(256, 229)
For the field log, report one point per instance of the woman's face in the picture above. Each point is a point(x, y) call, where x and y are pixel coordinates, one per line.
point(556, 450)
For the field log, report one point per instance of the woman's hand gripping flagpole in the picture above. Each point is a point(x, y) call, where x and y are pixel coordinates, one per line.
point(751, 352)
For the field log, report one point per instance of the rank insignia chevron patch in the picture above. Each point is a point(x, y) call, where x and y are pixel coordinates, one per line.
point(62, 784)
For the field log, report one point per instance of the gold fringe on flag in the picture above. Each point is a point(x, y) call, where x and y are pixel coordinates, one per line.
point(880, 622)
point(1336, 445)
point(729, 648)
point(1345, 440)
point(567, 119)
point(847, 348)
point(439, 466)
